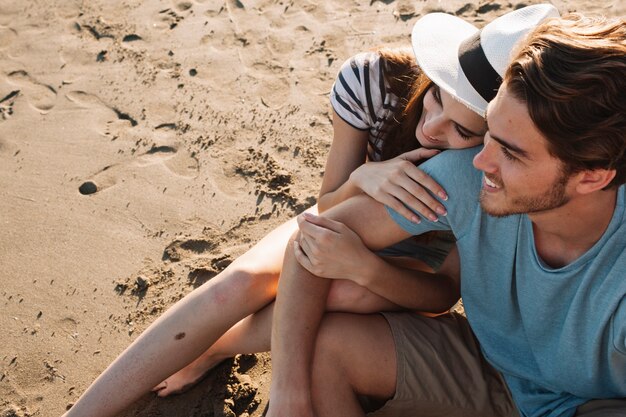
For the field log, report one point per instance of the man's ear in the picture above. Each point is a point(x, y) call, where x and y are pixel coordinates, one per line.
point(592, 180)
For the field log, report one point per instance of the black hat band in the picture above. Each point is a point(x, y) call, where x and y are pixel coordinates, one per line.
point(477, 68)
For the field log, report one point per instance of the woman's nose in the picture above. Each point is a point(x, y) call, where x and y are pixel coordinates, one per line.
point(434, 125)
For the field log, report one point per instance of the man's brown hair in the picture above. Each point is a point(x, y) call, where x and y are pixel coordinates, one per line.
point(571, 73)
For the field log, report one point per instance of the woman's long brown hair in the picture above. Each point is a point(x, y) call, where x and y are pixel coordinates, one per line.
point(407, 82)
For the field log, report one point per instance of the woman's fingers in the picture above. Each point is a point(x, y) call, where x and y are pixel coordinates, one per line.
point(412, 196)
point(398, 206)
point(307, 246)
point(301, 257)
point(416, 204)
point(319, 223)
point(426, 181)
point(419, 154)
point(410, 192)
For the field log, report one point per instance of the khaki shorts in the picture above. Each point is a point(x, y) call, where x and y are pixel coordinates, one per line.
point(602, 408)
point(442, 372)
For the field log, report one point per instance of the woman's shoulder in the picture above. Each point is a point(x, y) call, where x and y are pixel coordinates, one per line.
point(360, 94)
point(376, 60)
point(366, 57)
point(362, 61)
point(370, 70)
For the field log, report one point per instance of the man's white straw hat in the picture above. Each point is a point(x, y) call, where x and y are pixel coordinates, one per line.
point(467, 62)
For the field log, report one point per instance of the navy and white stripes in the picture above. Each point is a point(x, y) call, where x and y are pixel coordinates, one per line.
point(361, 98)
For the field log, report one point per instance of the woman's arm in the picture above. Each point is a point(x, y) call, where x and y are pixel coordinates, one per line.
point(397, 183)
point(347, 153)
point(329, 249)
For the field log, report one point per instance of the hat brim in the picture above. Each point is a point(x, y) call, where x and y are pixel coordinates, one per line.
point(436, 38)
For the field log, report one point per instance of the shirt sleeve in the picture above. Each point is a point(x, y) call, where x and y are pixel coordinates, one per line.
point(619, 327)
point(359, 90)
point(453, 170)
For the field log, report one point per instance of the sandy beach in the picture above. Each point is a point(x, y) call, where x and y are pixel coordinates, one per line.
point(144, 145)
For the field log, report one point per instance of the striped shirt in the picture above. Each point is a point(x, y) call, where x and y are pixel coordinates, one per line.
point(361, 97)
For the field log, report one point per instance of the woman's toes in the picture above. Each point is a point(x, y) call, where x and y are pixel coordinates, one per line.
point(159, 387)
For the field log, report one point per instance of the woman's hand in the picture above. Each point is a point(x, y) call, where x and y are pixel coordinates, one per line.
point(398, 183)
point(329, 249)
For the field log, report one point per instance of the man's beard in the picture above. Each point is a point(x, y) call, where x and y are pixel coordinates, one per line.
point(554, 198)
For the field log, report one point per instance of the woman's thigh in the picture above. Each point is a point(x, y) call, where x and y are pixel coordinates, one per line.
point(267, 255)
point(360, 349)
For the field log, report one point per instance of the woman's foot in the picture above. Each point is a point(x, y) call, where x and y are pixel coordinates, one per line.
point(188, 377)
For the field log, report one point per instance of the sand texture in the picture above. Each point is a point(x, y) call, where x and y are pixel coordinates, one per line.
point(144, 145)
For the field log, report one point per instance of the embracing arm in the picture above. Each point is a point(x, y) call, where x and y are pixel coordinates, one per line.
point(329, 249)
point(397, 182)
point(348, 152)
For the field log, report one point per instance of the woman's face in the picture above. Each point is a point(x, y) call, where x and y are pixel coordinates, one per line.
point(447, 124)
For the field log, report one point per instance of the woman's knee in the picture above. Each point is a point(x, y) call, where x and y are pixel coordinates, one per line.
point(344, 296)
point(241, 280)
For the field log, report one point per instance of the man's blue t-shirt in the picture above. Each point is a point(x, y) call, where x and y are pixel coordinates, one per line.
point(558, 336)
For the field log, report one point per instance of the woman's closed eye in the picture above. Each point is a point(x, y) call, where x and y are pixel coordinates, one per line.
point(462, 133)
point(437, 94)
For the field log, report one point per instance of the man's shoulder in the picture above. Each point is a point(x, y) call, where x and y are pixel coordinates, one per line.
point(453, 169)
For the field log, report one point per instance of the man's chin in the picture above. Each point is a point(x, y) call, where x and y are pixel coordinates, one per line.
point(498, 214)
point(492, 209)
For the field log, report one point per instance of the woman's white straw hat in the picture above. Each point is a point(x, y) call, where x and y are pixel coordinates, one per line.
point(469, 63)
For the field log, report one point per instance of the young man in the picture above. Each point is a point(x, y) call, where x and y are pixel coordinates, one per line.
point(541, 235)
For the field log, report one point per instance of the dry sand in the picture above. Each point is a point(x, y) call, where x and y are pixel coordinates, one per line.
point(200, 125)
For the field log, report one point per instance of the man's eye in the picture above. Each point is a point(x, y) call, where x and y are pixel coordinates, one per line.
point(507, 154)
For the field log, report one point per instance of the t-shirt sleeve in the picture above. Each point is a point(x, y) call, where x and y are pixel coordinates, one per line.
point(359, 91)
point(453, 170)
point(618, 324)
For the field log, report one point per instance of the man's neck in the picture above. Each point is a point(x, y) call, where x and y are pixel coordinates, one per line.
point(564, 234)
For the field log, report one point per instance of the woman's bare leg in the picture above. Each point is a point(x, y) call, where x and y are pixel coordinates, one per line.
point(184, 331)
point(252, 334)
point(343, 367)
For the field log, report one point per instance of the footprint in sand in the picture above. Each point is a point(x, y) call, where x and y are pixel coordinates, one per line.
point(40, 96)
point(6, 104)
point(182, 249)
point(178, 163)
point(90, 101)
point(203, 256)
point(106, 120)
point(170, 18)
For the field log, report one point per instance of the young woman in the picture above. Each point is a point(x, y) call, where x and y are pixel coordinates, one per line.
point(417, 115)
point(387, 116)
